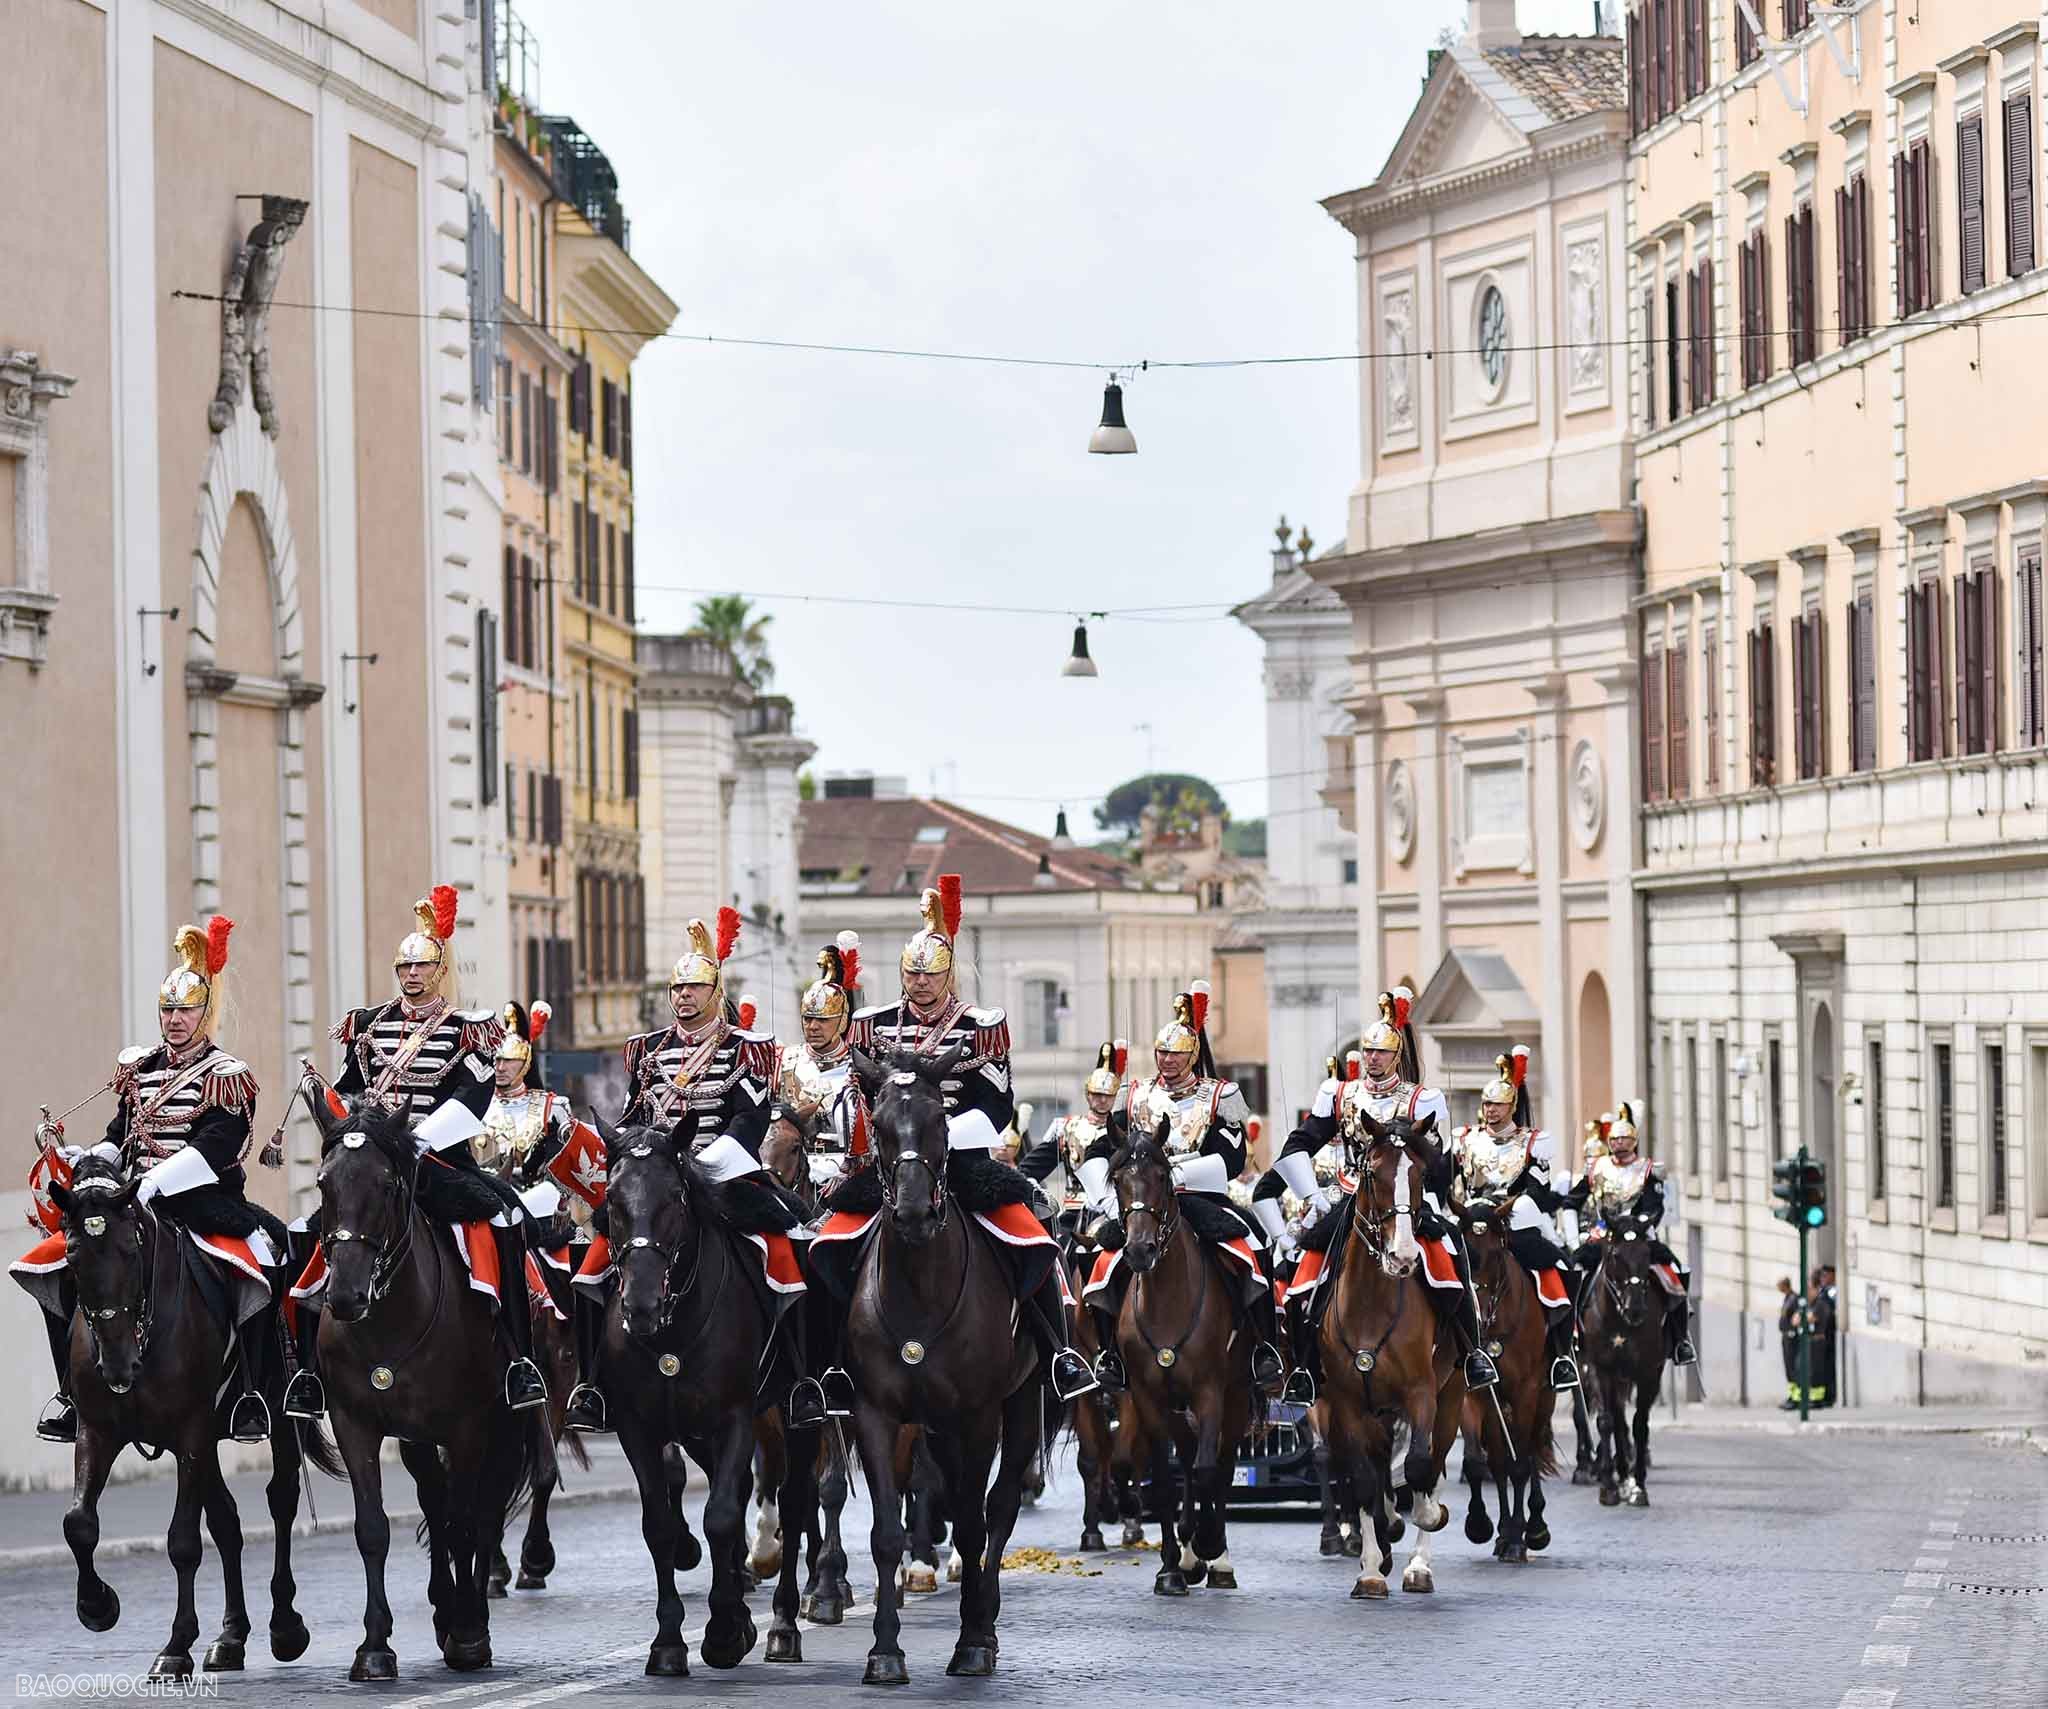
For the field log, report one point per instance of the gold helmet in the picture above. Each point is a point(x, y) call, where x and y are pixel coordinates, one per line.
point(1386, 1032)
point(1509, 1072)
point(930, 949)
point(199, 981)
point(703, 963)
point(523, 1028)
point(1623, 1126)
point(1190, 1015)
point(428, 942)
point(830, 995)
point(1108, 1077)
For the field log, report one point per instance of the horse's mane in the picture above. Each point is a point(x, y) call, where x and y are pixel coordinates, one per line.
point(1143, 1147)
point(387, 1130)
point(96, 1167)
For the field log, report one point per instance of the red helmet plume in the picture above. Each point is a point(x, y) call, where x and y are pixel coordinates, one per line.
point(848, 945)
point(949, 903)
point(1198, 998)
point(728, 932)
point(1122, 1060)
point(1518, 1064)
point(747, 1014)
point(1354, 1064)
point(217, 930)
point(1404, 1000)
point(537, 1019)
point(445, 901)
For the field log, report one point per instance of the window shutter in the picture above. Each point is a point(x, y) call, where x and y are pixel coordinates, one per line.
point(1987, 648)
point(1649, 359)
point(626, 566)
point(626, 427)
point(1817, 631)
point(1902, 211)
point(1745, 40)
point(1802, 700)
point(1678, 725)
point(1970, 201)
point(487, 707)
point(1942, 701)
point(1673, 333)
point(1692, 340)
point(1966, 665)
point(1844, 320)
point(1635, 71)
point(629, 723)
point(1763, 300)
point(2019, 185)
point(1707, 363)
point(1767, 655)
point(2028, 596)
point(1860, 204)
point(1923, 218)
point(1653, 727)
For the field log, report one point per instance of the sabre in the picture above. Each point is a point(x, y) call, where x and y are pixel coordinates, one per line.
point(51, 1128)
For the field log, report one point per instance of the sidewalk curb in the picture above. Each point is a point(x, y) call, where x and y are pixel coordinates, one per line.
point(2003, 1434)
point(116, 1548)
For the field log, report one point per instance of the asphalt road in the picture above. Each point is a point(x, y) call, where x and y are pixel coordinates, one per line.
point(1842, 1572)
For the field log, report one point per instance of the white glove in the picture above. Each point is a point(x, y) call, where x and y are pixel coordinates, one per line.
point(183, 1170)
point(1201, 1174)
point(1319, 1201)
point(1094, 1173)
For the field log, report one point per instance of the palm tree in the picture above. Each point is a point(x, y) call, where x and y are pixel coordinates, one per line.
point(729, 619)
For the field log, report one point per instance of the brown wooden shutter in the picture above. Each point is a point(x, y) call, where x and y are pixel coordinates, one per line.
point(1653, 727)
point(2019, 185)
point(1635, 70)
point(1937, 657)
point(1745, 295)
point(1817, 627)
point(1843, 226)
point(1693, 399)
point(1649, 358)
point(1902, 210)
point(1764, 362)
point(1678, 724)
point(1967, 721)
point(1987, 648)
point(1916, 676)
point(1799, 697)
point(1970, 202)
point(2031, 709)
point(1710, 711)
point(626, 428)
point(1923, 216)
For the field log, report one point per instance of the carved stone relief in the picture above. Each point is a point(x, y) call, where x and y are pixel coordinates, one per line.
point(1585, 304)
point(1588, 796)
point(1397, 367)
point(245, 314)
point(26, 391)
point(1289, 682)
point(1400, 812)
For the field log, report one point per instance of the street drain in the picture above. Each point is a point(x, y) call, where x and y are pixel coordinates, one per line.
point(1997, 1589)
point(2002, 1537)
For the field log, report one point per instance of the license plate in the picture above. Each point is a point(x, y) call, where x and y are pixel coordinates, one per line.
point(1245, 1477)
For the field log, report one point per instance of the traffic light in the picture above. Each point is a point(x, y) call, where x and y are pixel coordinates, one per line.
point(1785, 1174)
point(1813, 1191)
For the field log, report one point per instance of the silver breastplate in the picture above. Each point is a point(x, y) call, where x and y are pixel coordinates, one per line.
point(1487, 1166)
point(512, 1128)
point(1187, 1113)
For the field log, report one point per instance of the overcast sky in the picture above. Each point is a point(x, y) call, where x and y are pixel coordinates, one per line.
point(1106, 183)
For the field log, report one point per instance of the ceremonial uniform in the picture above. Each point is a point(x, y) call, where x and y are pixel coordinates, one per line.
point(980, 1101)
point(1054, 1162)
point(707, 1088)
point(183, 1121)
point(817, 1093)
point(1204, 1121)
point(1614, 1187)
point(417, 1055)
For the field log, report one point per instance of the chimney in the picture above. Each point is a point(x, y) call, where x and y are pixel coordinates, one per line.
point(1491, 24)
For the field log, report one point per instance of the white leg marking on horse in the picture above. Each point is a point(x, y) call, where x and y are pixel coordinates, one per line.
point(1429, 1512)
point(766, 1555)
point(1417, 1575)
point(956, 1564)
point(1189, 1560)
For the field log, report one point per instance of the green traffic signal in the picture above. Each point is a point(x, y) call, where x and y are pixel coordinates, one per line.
point(1816, 1215)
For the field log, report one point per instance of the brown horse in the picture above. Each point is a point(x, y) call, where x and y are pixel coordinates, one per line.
point(933, 1340)
point(1097, 1419)
point(1622, 1338)
point(409, 1349)
point(1515, 1438)
point(146, 1358)
point(554, 1351)
point(1190, 1388)
point(1389, 1364)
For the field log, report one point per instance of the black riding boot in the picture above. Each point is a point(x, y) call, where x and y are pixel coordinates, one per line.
point(586, 1400)
point(1557, 1343)
point(1066, 1370)
point(1109, 1363)
point(1678, 1347)
point(524, 1385)
point(249, 1421)
point(1269, 1370)
point(805, 1409)
point(1480, 1371)
point(58, 1421)
point(1304, 1343)
point(305, 1396)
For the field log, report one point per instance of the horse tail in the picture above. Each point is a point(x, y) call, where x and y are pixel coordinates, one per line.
point(317, 1448)
point(577, 1451)
point(1056, 1418)
point(532, 1447)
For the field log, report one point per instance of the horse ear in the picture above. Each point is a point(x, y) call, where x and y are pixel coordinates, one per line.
point(868, 1072)
point(126, 1196)
point(606, 1132)
point(1425, 1128)
point(936, 1069)
point(62, 1197)
point(320, 1106)
point(1162, 1132)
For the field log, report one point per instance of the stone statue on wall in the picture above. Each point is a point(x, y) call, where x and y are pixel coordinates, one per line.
point(245, 314)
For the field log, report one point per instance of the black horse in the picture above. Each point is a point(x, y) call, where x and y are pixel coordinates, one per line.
point(933, 1341)
point(409, 1349)
point(147, 1346)
point(1622, 1335)
point(684, 1337)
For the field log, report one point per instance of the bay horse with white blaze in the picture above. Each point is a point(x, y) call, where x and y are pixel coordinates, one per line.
point(1190, 1386)
point(147, 1350)
point(933, 1340)
point(1387, 1360)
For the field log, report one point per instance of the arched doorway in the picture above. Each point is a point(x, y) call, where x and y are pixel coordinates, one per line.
point(1822, 1069)
point(1596, 1056)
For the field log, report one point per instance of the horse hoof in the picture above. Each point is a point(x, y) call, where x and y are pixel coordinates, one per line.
point(885, 1670)
point(1134, 1534)
point(1581, 1476)
point(1196, 1573)
point(972, 1661)
point(288, 1639)
point(99, 1614)
point(784, 1646)
point(1539, 1538)
point(823, 1610)
point(1418, 1582)
point(528, 1579)
point(496, 1588)
point(765, 1566)
point(466, 1655)
point(1170, 1582)
point(1222, 1578)
point(1515, 1555)
point(689, 1553)
point(728, 1649)
point(1609, 1496)
point(224, 1655)
point(1369, 1588)
point(1331, 1546)
point(172, 1664)
point(1091, 1542)
point(919, 1579)
point(954, 1567)
point(372, 1665)
point(1639, 1497)
point(1478, 1528)
point(669, 1661)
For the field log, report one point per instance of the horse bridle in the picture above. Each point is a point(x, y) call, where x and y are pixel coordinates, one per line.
point(143, 1307)
point(671, 1295)
point(1614, 1290)
point(941, 1197)
point(388, 1254)
point(1368, 1221)
point(1166, 1221)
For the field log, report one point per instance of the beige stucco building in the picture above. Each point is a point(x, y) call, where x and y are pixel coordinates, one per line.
point(1835, 275)
point(1483, 593)
point(193, 577)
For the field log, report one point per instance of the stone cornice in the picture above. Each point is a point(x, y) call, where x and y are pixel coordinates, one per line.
point(1358, 211)
point(1614, 534)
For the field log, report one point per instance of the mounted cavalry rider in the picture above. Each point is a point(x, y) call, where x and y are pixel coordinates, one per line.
point(526, 1125)
point(1503, 1158)
point(1387, 1089)
point(1205, 1118)
point(183, 1123)
point(817, 1101)
point(1620, 1182)
point(934, 1020)
point(705, 1082)
point(420, 1057)
point(1058, 1155)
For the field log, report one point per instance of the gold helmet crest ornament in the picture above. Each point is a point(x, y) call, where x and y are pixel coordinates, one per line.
point(703, 963)
point(427, 944)
point(199, 981)
point(829, 997)
point(1108, 1076)
point(930, 950)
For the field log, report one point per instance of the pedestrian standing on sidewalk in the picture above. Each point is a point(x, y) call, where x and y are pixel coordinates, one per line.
point(1826, 1319)
point(1789, 1308)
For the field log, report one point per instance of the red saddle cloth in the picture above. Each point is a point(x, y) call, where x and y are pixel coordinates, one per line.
point(781, 1273)
point(1439, 1269)
point(1550, 1288)
point(1018, 1238)
point(240, 1267)
point(1239, 1253)
point(1674, 1283)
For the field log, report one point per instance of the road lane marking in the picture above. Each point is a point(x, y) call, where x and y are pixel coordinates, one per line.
point(1887, 1655)
point(1898, 1622)
point(1925, 1581)
point(1912, 1602)
point(1868, 1697)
